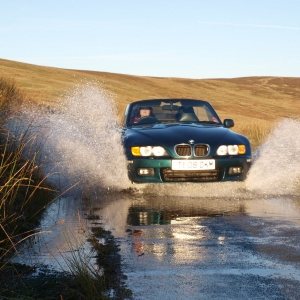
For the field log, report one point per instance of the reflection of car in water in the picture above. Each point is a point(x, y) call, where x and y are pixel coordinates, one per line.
point(182, 140)
point(169, 210)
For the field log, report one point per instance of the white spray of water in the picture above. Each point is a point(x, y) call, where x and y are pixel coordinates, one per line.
point(276, 168)
point(84, 141)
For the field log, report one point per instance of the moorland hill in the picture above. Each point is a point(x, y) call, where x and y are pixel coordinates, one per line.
point(247, 99)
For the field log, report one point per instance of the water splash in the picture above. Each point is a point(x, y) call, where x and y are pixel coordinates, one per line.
point(276, 165)
point(83, 138)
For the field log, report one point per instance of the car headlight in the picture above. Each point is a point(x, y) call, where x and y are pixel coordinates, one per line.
point(148, 151)
point(231, 150)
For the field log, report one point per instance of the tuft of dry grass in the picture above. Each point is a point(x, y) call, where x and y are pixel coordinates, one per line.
point(24, 190)
point(11, 98)
point(81, 266)
point(257, 131)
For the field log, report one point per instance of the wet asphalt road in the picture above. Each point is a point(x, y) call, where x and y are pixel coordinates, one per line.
point(211, 249)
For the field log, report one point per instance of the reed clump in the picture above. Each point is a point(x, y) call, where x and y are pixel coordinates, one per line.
point(24, 191)
point(81, 266)
point(96, 269)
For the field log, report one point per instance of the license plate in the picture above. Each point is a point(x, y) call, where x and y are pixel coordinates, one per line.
point(199, 164)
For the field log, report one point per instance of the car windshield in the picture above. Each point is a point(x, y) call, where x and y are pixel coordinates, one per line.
point(170, 111)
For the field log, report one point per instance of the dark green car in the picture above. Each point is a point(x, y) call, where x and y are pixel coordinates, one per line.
point(182, 140)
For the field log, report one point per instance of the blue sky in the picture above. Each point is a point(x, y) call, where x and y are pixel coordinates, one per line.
point(164, 38)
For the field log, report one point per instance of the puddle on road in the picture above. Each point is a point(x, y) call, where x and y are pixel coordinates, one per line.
point(65, 224)
point(62, 232)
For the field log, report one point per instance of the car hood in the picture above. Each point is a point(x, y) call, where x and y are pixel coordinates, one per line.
point(170, 134)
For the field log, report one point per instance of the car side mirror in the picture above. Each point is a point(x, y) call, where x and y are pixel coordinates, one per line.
point(228, 123)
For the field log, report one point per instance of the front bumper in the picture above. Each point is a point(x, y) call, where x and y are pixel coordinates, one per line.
point(161, 171)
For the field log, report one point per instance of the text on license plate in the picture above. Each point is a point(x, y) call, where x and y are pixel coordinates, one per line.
point(203, 164)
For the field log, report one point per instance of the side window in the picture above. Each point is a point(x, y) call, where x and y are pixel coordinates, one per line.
point(134, 114)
